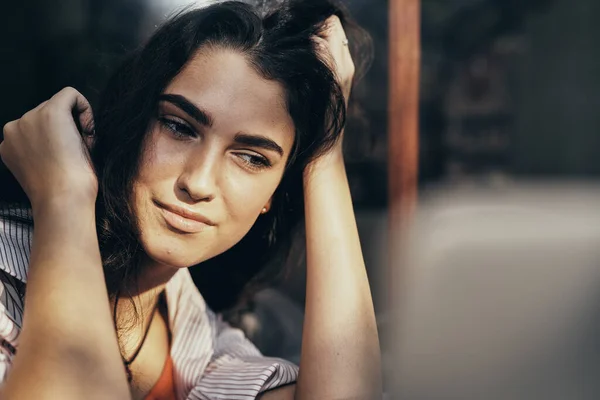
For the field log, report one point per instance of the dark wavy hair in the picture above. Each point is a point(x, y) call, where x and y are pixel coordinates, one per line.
point(276, 40)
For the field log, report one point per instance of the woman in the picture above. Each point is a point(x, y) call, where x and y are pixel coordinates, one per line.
point(209, 143)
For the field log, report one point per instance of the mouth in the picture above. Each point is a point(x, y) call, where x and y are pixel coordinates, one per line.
point(183, 220)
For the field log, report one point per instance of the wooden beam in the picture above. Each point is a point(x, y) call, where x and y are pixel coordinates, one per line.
point(403, 132)
point(403, 117)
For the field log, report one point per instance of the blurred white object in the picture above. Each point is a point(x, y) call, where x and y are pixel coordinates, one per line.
point(501, 296)
point(165, 7)
point(158, 11)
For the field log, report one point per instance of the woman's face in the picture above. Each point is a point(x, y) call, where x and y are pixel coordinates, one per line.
point(216, 153)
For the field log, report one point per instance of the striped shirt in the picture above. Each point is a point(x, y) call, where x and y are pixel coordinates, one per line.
point(211, 360)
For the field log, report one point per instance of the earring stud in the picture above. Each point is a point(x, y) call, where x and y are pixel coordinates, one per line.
point(264, 210)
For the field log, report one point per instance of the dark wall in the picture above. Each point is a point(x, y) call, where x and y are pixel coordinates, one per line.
point(509, 88)
point(47, 45)
point(557, 92)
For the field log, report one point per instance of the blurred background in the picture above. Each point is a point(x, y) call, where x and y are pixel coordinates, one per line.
point(509, 90)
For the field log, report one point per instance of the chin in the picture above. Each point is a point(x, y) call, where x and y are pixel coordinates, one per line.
point(172, 252)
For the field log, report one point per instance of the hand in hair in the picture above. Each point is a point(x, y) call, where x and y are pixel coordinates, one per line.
point(45, 152)
point(334, 42)
point(335, 51)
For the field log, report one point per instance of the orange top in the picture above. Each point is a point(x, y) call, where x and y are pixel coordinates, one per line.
point(164, 389)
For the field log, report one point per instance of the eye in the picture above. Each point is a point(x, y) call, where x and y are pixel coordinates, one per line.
point(179, 129)
point(254, 161)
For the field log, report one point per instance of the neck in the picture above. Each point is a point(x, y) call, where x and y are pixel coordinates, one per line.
point(133, 315)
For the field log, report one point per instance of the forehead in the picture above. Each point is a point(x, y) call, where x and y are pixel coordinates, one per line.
point(223, 83)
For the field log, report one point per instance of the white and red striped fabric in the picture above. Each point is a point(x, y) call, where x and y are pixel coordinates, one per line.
point(211, 360)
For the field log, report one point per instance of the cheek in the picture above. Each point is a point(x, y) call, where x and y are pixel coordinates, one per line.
point(246, 197)
point(159, 161)
point(158, 166)
point(244, 200)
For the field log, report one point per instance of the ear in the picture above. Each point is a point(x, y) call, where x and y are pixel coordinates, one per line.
point(89, 141)
point(267, 206)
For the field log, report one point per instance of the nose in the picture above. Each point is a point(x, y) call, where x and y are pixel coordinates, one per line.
point(198, 180)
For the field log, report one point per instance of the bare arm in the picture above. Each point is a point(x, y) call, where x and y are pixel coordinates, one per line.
point(340, 356)
point(68, 347)
point(340, 348)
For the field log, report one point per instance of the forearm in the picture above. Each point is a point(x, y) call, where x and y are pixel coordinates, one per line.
point(67, 347)
point(340, 347)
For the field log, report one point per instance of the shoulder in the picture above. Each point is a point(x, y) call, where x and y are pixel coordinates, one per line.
point(11, 317)
point(15, 245)
point(16, 233)
point(233, 367)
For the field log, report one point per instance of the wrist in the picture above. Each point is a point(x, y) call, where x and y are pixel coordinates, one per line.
point(64, 191)
point(64, 205)
point(332, 159)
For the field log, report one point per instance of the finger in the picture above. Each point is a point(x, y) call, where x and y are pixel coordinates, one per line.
point(335, 35)
point(332, 24)
point(322, 45)
point(9, 128)
point(83, 109)
point(324, 51)
point(69, 99)
point(324, 29)
point(333, 29)
point(337, 55)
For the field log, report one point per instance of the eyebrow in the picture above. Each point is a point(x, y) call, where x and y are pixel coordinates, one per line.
point(201, 116)
point(258, 141)
point(204, 118)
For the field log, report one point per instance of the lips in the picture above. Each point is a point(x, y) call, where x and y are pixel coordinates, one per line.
point(184, 220)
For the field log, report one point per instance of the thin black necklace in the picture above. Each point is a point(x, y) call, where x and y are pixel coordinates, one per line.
point(127, 363)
